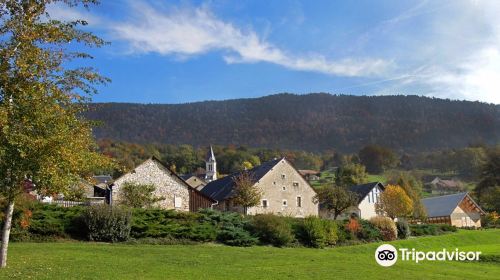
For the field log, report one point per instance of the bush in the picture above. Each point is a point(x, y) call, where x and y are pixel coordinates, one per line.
point(431, 229)
point(387, 227)
point(491, 220)
point(403, 229)
point(318, 233)
point(368, 232)
point(234, 236)
point(107, 223)
point(230, 227)
point(272, 229)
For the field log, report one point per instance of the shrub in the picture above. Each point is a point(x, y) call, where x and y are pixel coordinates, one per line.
point(491, 220)
point(230, 227)
point(368, 232)
point(331, 232)
point(272, 229)
point(353, 227)
point(403, 229)
point(387, 227)
point(447, 228)
point(318, 233)
point(235, 236)
point(107, 223)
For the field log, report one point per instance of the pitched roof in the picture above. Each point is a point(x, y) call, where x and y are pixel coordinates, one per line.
point(363, 190)
point(103, 179)
point(210, 154)
point(153, 158)
point(440, 206)
point(223, 188)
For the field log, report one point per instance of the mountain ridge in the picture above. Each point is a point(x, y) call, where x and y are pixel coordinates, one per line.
point(312, 122)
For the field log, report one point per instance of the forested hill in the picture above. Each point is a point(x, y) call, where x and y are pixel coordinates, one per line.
point(312, 122)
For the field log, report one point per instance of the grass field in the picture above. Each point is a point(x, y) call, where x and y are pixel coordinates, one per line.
point(118, 261)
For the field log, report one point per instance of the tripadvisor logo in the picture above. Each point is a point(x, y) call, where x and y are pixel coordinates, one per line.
point(387, 255)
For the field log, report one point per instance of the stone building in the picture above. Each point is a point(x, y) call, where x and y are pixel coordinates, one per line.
point(176, 192)
point(284, 191)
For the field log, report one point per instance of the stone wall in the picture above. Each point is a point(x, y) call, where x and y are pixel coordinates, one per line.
point(284, 183)
point(167, 184)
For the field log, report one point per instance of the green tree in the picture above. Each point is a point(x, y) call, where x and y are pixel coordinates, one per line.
point(350, 174)
point(139, 195)
point(246, 194)
point(487, 189)
point(377, 159)
point(43, 137)
point(335, 199)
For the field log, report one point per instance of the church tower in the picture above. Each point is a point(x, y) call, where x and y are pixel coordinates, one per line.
point(210, 166)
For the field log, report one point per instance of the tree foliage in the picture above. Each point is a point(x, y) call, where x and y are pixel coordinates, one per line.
point(245, 193)
point(335, 199)
point(413, 188)
point(488, 189)
point(311, 122)
point(43, 137)
point(394, 202)
point(350, 174)
point(377, 159)
point(138, 195)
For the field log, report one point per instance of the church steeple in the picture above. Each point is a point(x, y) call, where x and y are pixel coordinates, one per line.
point(211, 166)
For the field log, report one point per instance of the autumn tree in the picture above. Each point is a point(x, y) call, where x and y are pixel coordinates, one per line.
point(394, 202)
point(43, 137)
point(139, 195)
point(413, 188)
point(245, 193)
point(335, 199)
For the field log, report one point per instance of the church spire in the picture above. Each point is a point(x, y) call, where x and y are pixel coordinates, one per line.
point(211, 166)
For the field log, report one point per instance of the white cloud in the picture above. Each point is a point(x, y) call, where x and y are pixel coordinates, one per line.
point(188, 32)
point(454, 57)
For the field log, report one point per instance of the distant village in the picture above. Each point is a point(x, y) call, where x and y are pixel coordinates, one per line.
point(284, 189)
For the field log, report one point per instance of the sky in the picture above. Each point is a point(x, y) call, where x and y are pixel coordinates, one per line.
point(188, 51)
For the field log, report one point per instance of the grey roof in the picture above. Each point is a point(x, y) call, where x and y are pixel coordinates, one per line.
point(223, 188)
point(364, 189)
point(440, 206)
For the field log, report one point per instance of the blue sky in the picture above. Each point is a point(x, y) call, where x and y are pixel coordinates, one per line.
point(186, 51)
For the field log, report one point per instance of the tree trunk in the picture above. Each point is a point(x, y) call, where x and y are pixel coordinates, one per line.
point(6, 234)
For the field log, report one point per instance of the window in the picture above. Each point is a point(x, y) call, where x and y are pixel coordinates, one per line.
point(284, 188)
point(299, 201)
point(283, 176)
point(177, 201)
point(274, 183)
point(295, 184)
point(285, 203)
point(369, 198)
point(264, 203)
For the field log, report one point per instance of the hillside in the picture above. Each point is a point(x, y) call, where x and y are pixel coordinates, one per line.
point(312, 122)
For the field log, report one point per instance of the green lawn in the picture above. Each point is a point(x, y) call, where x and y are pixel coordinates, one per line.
point(74, 260)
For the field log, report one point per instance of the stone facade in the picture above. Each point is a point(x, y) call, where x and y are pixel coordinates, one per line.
point(168, 185)
point(284, 192)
